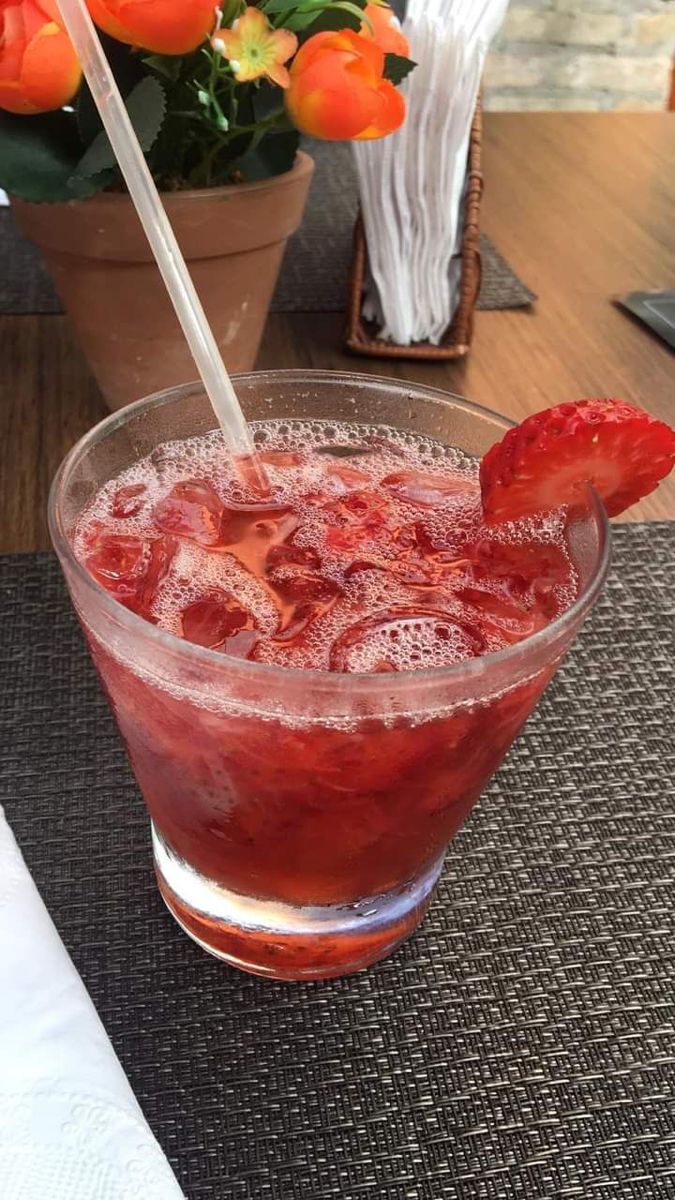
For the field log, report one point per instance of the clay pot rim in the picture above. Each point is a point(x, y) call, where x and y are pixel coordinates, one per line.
point(104, 227)
point(303, 165)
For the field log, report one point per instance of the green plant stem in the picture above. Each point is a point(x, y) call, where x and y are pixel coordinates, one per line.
point(208, 163)
point(278, 122)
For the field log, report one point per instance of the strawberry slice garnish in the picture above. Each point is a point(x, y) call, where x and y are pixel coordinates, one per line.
point(544, 462)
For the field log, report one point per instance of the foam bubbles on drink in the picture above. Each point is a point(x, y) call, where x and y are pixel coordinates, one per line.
point(331, 475)
point(197, 574)
point(409, 644)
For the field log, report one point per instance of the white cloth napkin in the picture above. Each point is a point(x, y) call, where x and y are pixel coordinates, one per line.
point(412, 184)
point(70, 1126)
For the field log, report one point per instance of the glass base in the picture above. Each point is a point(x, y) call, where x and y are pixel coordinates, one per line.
point(282, 941)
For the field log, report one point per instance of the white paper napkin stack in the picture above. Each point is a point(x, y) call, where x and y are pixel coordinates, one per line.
point(412, 183)
point(70, 1126)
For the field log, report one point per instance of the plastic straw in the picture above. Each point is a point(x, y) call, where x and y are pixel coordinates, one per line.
point(162, 239)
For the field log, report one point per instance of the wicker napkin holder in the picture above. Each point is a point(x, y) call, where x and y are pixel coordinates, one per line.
point(361, 337)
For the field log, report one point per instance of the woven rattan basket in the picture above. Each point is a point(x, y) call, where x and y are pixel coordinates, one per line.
point(361, 335)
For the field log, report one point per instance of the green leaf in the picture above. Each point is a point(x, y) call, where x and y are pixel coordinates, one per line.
point(318, 7)
point(146, 107)
point(128, 69)
point(355, 9)
point(321, 15)
point(168, 66)
point(89, 122)
point(397, 66)
point(343, 14)
point(38, 155)
point(300, 21)
point(274, 154)
point(266, 101)
point(280, 6)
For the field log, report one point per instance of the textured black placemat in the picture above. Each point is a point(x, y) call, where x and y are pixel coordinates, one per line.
point(519, 1047)
point(315, 271)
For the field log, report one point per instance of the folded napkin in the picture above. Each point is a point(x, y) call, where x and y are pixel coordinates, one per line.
point(70, 1126)
point(412, 184)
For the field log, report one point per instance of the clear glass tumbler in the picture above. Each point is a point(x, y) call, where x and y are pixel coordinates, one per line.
point(300, 818)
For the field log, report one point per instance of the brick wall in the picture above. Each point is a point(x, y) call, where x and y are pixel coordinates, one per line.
point(583, 54)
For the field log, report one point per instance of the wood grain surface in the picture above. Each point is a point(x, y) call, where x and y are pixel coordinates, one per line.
point(581, 205)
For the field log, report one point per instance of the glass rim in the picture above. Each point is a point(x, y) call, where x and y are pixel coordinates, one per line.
point(470, 670)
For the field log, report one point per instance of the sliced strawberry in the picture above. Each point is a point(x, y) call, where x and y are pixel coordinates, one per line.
point(519, 564)
point(544, 462)
point(216, 621)
point(286, 553)
point(353, 518)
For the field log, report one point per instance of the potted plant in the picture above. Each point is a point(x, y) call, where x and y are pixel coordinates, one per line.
point(218, 99)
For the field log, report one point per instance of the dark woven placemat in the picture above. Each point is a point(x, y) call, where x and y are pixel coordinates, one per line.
point(519, 1047)
point(315, 271)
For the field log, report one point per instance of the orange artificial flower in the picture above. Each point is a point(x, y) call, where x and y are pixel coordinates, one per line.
point(254, 48)
point(163, 26)
point(338, 92)
point(39, 70)
point(385, 30)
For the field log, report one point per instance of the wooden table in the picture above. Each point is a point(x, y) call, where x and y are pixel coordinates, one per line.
point(581, 205)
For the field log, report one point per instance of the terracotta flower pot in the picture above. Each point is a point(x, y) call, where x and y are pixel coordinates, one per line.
point(233, 239)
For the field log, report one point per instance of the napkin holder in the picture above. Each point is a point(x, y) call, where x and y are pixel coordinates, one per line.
point(361, 336)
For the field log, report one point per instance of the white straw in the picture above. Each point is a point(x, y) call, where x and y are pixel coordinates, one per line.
point(158, 230)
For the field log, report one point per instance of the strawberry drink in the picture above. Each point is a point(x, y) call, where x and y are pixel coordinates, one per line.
point(314, 687)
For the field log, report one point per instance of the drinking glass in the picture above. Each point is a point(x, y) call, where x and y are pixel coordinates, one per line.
point(300, 818)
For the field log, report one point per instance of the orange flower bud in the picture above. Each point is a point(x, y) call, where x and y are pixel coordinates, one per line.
point(385, 30)
point(163, 26)
point(337, 91)
point(39, 70)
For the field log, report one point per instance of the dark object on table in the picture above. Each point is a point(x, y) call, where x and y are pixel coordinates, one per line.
point(655, 309)
point(362, 337)
point(519, 1047)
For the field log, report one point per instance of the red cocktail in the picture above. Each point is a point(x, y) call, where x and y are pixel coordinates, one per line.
point(314, 688)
